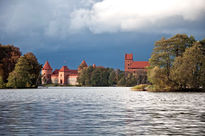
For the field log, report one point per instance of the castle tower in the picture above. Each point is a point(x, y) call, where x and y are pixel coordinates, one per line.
point(128, 61)
point(46, 73)
point(63, 75)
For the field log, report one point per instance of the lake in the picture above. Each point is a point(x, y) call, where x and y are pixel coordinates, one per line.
point(100, 111)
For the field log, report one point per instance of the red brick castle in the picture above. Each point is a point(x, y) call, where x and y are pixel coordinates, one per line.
point(134, 66)
point(63, 76)
point(66, 76)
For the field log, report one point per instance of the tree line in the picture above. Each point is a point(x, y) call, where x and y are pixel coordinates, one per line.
point(17, 71)
point(99, 76)
point(177, 63)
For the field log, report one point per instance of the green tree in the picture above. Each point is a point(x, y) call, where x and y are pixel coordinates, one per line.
point(163, 56)
point(141, 77)
point(112, 78)
point(96, 77)
point(132, 79)
point(188, 71)
point(158, 78)
point(20, 77)
point(35, 68)
point(122, 81)
point(82, 76)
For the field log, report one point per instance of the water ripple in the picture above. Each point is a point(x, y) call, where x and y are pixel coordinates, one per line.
point(100, 111)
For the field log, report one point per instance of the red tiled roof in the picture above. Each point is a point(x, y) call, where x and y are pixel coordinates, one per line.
point(64, 69)
point(129, 56)
point(139, 64)
point(47, 66)
point(55, 72)
point(83, 62)
point(73, 72)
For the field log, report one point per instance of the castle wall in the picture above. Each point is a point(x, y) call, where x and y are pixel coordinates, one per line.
point(128, 62)
point(46, 79)
point(134, 66)
point(47, 72)
point(54, 79)
point(63, 78)
point(72, 80)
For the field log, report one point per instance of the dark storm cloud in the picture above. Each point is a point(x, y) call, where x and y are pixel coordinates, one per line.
point(67, 31)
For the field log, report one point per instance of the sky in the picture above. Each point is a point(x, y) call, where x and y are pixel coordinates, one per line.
point(65, 32)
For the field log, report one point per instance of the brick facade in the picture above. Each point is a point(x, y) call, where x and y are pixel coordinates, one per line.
point(134, 66)
point(64, 76)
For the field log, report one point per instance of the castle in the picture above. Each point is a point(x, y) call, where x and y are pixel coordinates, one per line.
point(134, 66)
point(63, 76)
point(66, 76)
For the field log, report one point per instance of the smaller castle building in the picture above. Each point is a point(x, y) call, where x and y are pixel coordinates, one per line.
point(63, 76)
point(134, 66)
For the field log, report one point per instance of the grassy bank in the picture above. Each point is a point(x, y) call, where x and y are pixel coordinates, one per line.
point(151, 88)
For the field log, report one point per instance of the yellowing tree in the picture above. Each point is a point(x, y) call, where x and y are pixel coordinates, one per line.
point(188, 71)
point(162, 59)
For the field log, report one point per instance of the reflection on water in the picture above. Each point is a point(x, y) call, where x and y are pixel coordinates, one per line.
point(100, 111)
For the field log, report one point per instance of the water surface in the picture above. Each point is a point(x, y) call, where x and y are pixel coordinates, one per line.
point(100, 111)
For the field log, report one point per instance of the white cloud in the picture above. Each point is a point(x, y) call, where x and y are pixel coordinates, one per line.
point(48, 18)
point(61, 18)
point(135, 15)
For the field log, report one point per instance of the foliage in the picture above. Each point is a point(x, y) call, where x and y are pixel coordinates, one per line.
point(165, 51)
point(112, 78)
point(93, 76)
point(189, 70)
point(35, 70)
point(122, 81)
point(177, 63)
point(26, 72)
point(2, 84)
point(8, 58)
point(84, 76)
point(19, 78)
point(99, 76)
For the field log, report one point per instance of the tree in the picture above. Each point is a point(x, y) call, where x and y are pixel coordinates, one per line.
point(141, 77)
point(8, 58)
point(96, 77)
point(158, 78)
point(20, 77)
point(122, 81)
point(35, 68)
point(82, 76)
point(163, 56)
point(189, 70)
point(112, 78)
